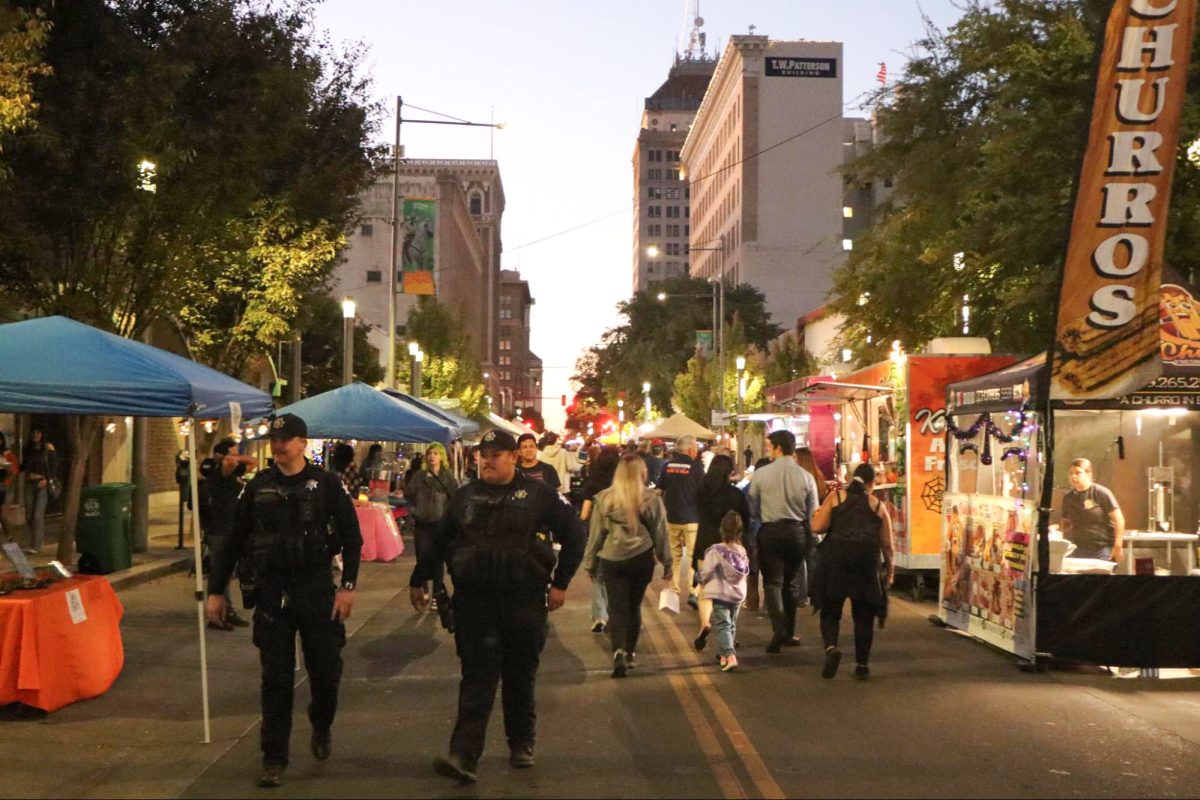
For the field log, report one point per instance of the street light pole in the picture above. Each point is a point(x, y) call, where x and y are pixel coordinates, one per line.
point(417, 360)
point(348, 309)
point(395, 252)
point(741, 398)
point(397, 210)
point(646, 392)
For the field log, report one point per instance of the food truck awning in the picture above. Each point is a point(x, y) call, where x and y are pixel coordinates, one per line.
point(1001, 390)
point(832, 393)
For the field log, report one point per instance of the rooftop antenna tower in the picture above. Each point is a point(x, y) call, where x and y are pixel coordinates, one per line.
point(691, 34)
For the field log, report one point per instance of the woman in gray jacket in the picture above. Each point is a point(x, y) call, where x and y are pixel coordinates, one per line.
point(628, 529)
point(429, 491)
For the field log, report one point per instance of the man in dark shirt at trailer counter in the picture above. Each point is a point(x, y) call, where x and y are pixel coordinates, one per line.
point(1091, 516)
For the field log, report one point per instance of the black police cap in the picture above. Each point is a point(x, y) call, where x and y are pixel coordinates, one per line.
point(286, 426)
point(498, 439)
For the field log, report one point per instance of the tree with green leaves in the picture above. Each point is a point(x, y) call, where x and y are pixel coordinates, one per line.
point(22, 35)
point(194, 164)
point(321, 320)
point(983, 137)
point(658, 337)
point(696, 388)
point(450, 368)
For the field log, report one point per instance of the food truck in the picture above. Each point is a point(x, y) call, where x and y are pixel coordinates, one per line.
point(1023, 591)
point(892, 414)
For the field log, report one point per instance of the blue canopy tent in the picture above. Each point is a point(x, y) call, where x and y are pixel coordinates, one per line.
point(357, 411)
point(466, 427)
point(55, 365)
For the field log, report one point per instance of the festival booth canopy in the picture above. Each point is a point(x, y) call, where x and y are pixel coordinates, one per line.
point(466, 427)
point(834, 393)
point(358, 411)
point(492, 422)
point(679, 425)
point(55, 365)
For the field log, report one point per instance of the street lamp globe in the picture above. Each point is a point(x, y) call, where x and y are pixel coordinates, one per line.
point(646, 387)
point(413, 349)
point(741, 363)
point(652, 251)
point(661, 296)
point(348, 308)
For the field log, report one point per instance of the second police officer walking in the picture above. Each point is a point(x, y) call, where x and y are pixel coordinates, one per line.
point(291, 520)
point(498, 541)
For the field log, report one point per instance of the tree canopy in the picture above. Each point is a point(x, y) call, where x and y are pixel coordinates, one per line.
point(983, 137)
point(658, 337)
point(450, 368)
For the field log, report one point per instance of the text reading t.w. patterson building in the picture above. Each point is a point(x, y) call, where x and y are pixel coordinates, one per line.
point(762, 162)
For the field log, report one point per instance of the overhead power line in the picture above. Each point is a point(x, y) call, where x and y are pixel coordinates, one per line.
point(753, 155)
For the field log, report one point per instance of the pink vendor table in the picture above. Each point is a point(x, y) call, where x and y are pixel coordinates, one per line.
point(381, 537)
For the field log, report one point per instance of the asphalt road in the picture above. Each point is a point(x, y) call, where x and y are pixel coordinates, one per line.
point(942, 716)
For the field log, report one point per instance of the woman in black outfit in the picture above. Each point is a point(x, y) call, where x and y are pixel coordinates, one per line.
point(718, 498)
point(858, 532)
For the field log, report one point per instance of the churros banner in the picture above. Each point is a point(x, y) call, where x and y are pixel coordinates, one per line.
point(1107, 341)
point(417, 251)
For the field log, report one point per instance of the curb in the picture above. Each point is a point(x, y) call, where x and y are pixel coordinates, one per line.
point(151, 570)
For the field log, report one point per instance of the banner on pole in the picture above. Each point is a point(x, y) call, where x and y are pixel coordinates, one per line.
point(1107, 340)
point(417, 253)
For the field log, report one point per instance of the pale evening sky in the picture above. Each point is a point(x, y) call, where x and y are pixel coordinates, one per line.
point(569, 79)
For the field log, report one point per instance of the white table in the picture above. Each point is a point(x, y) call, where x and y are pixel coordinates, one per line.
point(1187, 539)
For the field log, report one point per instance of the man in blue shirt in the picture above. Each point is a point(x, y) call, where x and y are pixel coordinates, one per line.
point(680, 483)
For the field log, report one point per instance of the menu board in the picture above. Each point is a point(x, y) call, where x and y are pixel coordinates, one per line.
point(987, 565)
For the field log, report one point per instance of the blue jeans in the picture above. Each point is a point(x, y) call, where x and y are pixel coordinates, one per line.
point(35, 513)
point(599, 599)
point(724, 625)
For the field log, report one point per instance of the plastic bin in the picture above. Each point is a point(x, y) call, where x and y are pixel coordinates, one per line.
point(104, 531)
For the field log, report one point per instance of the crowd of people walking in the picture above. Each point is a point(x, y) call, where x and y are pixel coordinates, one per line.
point(511, 534)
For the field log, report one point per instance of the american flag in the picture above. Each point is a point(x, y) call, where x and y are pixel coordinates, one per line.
point(881, 76)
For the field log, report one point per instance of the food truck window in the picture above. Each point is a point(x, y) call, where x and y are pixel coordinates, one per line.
point(1146, 459)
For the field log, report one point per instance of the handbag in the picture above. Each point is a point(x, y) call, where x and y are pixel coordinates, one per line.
point(54, 488)
point(668, 601)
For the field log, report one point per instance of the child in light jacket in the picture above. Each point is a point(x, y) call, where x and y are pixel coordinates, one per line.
point(723, 574)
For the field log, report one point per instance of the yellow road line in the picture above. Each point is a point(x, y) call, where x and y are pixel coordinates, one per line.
point(722, 770)
point(756, 768)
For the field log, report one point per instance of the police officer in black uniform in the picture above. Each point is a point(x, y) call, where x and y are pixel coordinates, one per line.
point(291, 520)
point(498, 542)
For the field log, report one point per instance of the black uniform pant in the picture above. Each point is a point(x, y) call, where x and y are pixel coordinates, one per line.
point(425, 539)
point(307, 612)
point(626, 582)
point(499, 638)
point(781, 550)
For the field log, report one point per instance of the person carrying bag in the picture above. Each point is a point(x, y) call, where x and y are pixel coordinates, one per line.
point(858, 538)
point(627, 531)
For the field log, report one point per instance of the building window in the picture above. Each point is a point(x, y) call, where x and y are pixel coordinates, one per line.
point(655, 155)
point(654, 193)
point(366, 230)
point(476, 205)
point(654, 173)
point(506, 313)
point(672, 155)
point(374, 276)
point(654, 212)
point(505, 361)
point(674, 249)
point(654, 230)
point(847, 245)
point(673, 194)
point(673, 174)
point(672, 212)
point(674, 126)
point(506, 344)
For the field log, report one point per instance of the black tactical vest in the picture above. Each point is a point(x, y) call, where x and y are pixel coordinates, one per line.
point(291, 524)
point(504, 543)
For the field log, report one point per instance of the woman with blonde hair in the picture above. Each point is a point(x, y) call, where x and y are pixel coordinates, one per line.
point(429, 491)
point(627, 530)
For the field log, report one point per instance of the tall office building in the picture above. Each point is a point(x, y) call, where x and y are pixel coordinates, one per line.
point(467, 246)
point(762, 162)
point(518, 374)
point(660, 192)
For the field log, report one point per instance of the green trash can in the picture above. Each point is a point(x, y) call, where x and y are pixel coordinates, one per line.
point(104, 533)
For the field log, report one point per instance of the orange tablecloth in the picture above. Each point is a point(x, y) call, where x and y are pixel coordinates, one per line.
point(51, 657)
point(381, 537)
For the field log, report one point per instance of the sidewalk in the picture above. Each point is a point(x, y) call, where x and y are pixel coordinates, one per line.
point(161, 558)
